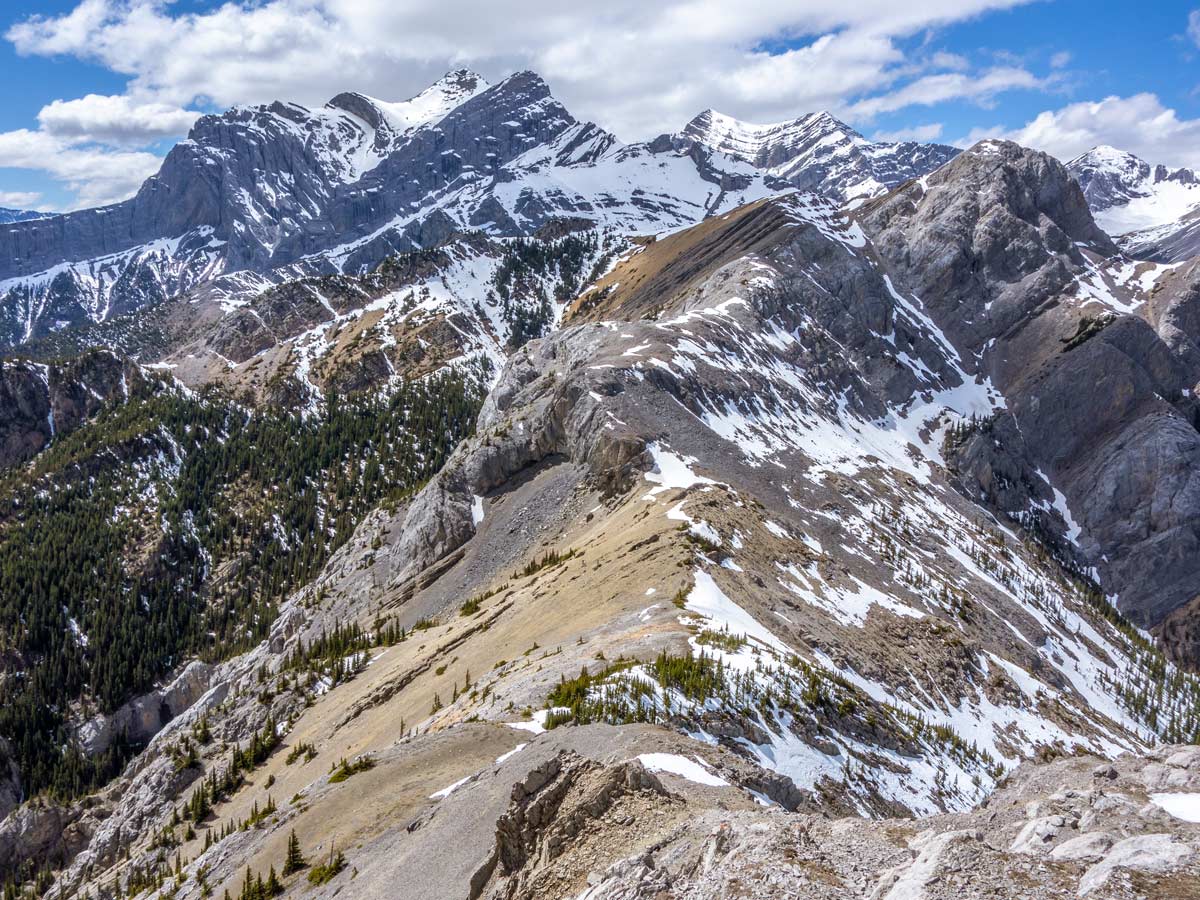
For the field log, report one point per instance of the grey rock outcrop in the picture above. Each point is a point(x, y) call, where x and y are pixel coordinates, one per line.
point(145, 716)
point(1099, 402)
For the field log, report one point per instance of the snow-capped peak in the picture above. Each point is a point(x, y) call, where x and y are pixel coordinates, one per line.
point(1129, 197)
point(433, 103)
point(766, 145)
point(817, 151)
point(1106, 154)
point(1110, 176)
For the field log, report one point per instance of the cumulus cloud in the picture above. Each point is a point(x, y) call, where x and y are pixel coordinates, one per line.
point(634, 67)
point(1139, 124)
point(933, 89)
point(19, 199)
point(637, 68)
point(117, 120)
point(94, 174)
point(91, 146)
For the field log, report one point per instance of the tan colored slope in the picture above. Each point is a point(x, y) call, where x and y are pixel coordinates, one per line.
point(520, 643)
point(648, 280)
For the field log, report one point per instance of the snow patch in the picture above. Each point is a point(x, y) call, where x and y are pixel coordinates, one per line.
point(691, 769)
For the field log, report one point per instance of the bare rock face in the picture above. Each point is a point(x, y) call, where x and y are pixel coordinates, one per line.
point(557, 419)
point(986, 239)
point(11, 793)
point(41, 830)
point(1179, 631)
point(550, 809)
point(1099, 403)
point(1174, 311)
point(143, 717)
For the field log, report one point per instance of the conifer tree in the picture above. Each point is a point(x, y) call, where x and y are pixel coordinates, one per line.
point(295, 860)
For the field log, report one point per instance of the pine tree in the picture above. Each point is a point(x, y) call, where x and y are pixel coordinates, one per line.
point(295, 860)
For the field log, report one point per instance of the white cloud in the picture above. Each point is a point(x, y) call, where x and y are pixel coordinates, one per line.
point(96, 175)
point(923, 133)
point(90, 145)
point(1139, 124)
point(955, 62)
point(19, 199)
point(114, 120)
point(638, 68)
point(71, 30)
point(1060, 59)
point(933, 89)
point(1193, 26)
point(635, 67)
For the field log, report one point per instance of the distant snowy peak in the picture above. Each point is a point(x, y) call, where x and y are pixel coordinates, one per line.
point(8, 216)
point(1111, 177)
point(1154, 209)
point(428, 107)
point(283, 188)
point(769, 146)
point(818, 152)
point(347, 137)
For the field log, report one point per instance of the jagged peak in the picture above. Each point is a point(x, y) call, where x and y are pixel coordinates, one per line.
point(526, 93)
point(715, 123)
point(1009, 155)
point(1013, 154)
point(1107, 156)
point(461, 77)
point(524, 82)
point(1030, 184)
point(430, 105)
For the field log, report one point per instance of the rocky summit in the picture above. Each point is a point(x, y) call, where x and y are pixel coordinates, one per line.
point(442, 498)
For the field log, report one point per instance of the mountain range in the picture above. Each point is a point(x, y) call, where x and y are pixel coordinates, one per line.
point(18, 215)
point(818, 153)
point(280, 190)
point(444, 498)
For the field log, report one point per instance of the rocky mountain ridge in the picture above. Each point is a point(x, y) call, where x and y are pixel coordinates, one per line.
point(817, 152)
point(264, 194)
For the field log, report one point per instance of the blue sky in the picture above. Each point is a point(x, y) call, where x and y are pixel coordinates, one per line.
point(94, 92)
point(1111, 48)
